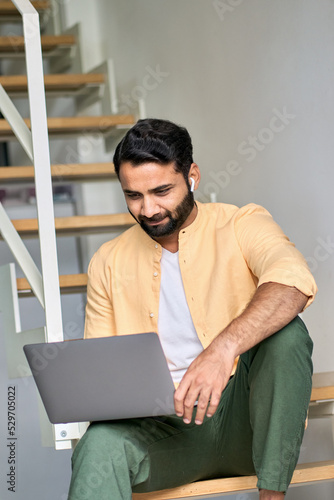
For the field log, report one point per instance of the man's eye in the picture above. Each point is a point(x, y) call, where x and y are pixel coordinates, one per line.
point(132, 196)
point(163, 192)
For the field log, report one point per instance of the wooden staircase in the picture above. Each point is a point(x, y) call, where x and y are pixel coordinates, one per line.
point(60, 85)
point(59, 52)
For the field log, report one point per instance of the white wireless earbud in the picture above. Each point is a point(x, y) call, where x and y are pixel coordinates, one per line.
point(192, 184)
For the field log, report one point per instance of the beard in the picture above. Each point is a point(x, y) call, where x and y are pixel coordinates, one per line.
point(182, 212)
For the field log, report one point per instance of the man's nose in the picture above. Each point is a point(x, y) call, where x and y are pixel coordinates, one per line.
point(149, 207)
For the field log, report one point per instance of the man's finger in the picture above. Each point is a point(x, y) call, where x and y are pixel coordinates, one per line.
point(202, 405)
point(188, 405)
point(179, 397)
point(214, 402)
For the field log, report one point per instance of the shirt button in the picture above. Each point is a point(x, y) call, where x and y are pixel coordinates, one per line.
point(155, 274)
point(156, 245)
point(151, 315)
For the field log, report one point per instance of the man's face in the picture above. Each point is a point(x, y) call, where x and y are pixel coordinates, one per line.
point(157, 197)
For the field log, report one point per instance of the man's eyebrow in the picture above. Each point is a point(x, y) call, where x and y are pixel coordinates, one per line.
point(154, 190)
point(161, 188)
point(130, 191)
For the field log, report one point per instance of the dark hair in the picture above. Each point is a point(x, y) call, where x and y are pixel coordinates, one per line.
point(158, 141)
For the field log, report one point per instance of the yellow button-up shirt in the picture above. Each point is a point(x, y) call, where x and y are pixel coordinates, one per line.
point(224, 255)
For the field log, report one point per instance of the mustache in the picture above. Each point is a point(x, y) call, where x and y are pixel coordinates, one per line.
point(154, 218)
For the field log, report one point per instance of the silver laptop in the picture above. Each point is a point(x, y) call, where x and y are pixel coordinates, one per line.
point(102, 379)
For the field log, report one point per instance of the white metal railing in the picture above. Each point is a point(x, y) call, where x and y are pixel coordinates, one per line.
point(22, 255)
point(36, 144)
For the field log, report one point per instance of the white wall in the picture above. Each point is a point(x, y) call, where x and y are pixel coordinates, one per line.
point(223, 72)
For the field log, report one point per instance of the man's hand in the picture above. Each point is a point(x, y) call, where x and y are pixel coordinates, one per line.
point(205, 380)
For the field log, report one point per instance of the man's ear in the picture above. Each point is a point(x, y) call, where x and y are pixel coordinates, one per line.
point(194, 176)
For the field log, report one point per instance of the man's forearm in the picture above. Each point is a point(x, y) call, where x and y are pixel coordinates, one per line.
point(272, 307)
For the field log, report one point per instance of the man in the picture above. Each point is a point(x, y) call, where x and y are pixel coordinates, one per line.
point(216, 282)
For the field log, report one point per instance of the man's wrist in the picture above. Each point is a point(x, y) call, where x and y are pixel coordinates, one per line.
point(226, 343)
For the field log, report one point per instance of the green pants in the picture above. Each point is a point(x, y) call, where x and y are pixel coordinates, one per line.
point(257, 428)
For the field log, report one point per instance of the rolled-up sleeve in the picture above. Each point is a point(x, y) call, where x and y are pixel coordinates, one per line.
point(269, 253)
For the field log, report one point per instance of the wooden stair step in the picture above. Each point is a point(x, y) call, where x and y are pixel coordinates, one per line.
point(67, 83)
point(73, 125)
point(69, 283)
point(77, 224)
point(324, 393)
point(8, 9)
point(304, 474)
point(14, 45)
point(60, 173)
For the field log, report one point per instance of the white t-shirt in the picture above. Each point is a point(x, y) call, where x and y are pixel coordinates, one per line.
point(176, 329)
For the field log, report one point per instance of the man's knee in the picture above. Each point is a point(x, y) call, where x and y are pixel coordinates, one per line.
point(101, 443)
point(91, 464)
point(286, 354)
point(109, 445)
point(292, 342)
point(98, 459)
